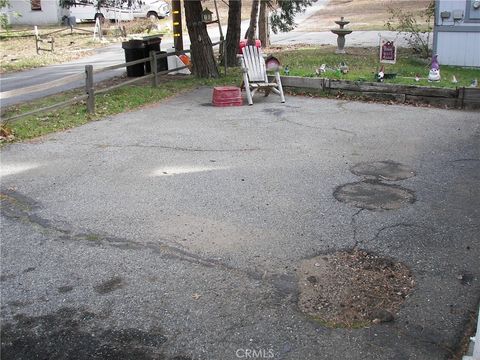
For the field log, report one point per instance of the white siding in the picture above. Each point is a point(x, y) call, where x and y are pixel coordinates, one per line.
point(51, 13)
point(459, 48)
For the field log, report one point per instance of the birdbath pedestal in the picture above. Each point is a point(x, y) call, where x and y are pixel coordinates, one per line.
point(341, 32)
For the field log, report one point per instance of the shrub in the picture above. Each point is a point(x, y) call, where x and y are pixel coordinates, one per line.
point(418, 27)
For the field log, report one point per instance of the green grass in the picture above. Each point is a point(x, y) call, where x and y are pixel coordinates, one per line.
point(364, 64)
point(27, 63)
point(114, 102)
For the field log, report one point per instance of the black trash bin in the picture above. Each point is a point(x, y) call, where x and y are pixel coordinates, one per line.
point(152, 43)
point(134, 50)
point(162, 64)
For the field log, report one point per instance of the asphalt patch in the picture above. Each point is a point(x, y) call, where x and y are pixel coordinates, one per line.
point(274, 111)
point(374, 195)
point(353, 289)
point(110, 285)
point(71, 333)
point(387, 170)
point(64, 289)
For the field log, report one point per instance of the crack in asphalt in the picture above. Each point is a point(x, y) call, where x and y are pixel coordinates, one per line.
point(353, 223)
point(468, 159)
point(345, 131)
point(357, 242)
point(18, 207)
point(299, 124)
point(176, 148)
point(317, 127)
point(401, 224)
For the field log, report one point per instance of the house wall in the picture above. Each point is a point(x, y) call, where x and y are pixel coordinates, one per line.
point(457, 42)
point(50, 13)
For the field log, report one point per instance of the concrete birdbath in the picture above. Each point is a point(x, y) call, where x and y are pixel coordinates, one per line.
point(341, 32)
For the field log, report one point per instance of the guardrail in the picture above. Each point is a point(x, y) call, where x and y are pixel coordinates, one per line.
point(90, 92)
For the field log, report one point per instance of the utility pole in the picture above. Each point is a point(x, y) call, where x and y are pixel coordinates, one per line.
point(177, 24)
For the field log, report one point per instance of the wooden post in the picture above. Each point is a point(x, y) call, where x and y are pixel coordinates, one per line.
point(89, 89)
point(35, 30)
point(153, 67)
point(177, 25)
point(223, 45)
point(225, 56)
point(461, 95)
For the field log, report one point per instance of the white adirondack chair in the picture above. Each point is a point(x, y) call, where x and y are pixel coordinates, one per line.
point(255, 74)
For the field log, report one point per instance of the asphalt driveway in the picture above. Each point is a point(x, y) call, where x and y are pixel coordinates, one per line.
point(175, 231)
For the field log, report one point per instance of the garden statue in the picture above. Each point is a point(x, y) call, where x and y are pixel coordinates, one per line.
point(381, 74)
point(343, 67)
point(272, 63)
point(434, 74)
point(321, 70)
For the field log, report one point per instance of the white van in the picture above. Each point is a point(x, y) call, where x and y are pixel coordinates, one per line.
point(124, 10)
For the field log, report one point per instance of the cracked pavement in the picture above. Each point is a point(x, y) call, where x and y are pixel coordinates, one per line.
point(175, 231)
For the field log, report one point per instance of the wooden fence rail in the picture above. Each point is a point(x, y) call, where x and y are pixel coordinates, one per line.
point(89, 83)
point(28, 32)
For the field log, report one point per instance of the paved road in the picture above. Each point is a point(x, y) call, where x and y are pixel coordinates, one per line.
point(156, 234)
point(114, 54)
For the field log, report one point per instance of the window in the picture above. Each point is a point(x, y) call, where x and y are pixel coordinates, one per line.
point(36, 5)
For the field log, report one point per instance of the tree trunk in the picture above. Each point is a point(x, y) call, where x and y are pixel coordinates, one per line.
point(203, 60)
point(233, 30)
point(263, 26)
point(252, 28)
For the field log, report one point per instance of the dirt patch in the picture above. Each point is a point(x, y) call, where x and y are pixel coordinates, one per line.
point(223, 9)
point(362, 14)
point(353, 289)
point(19, 51)
point(374, 195)
point(383, 170)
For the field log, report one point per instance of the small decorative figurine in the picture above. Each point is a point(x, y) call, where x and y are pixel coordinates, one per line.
point(343, 67)
point(286, 70)
point(321, 70)
point(381, 74)
point(272, 63)
point(417, 77)
point(454, 80)
point(434, 73)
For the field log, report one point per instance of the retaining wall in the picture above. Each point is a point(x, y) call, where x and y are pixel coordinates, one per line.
point(460, 98)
